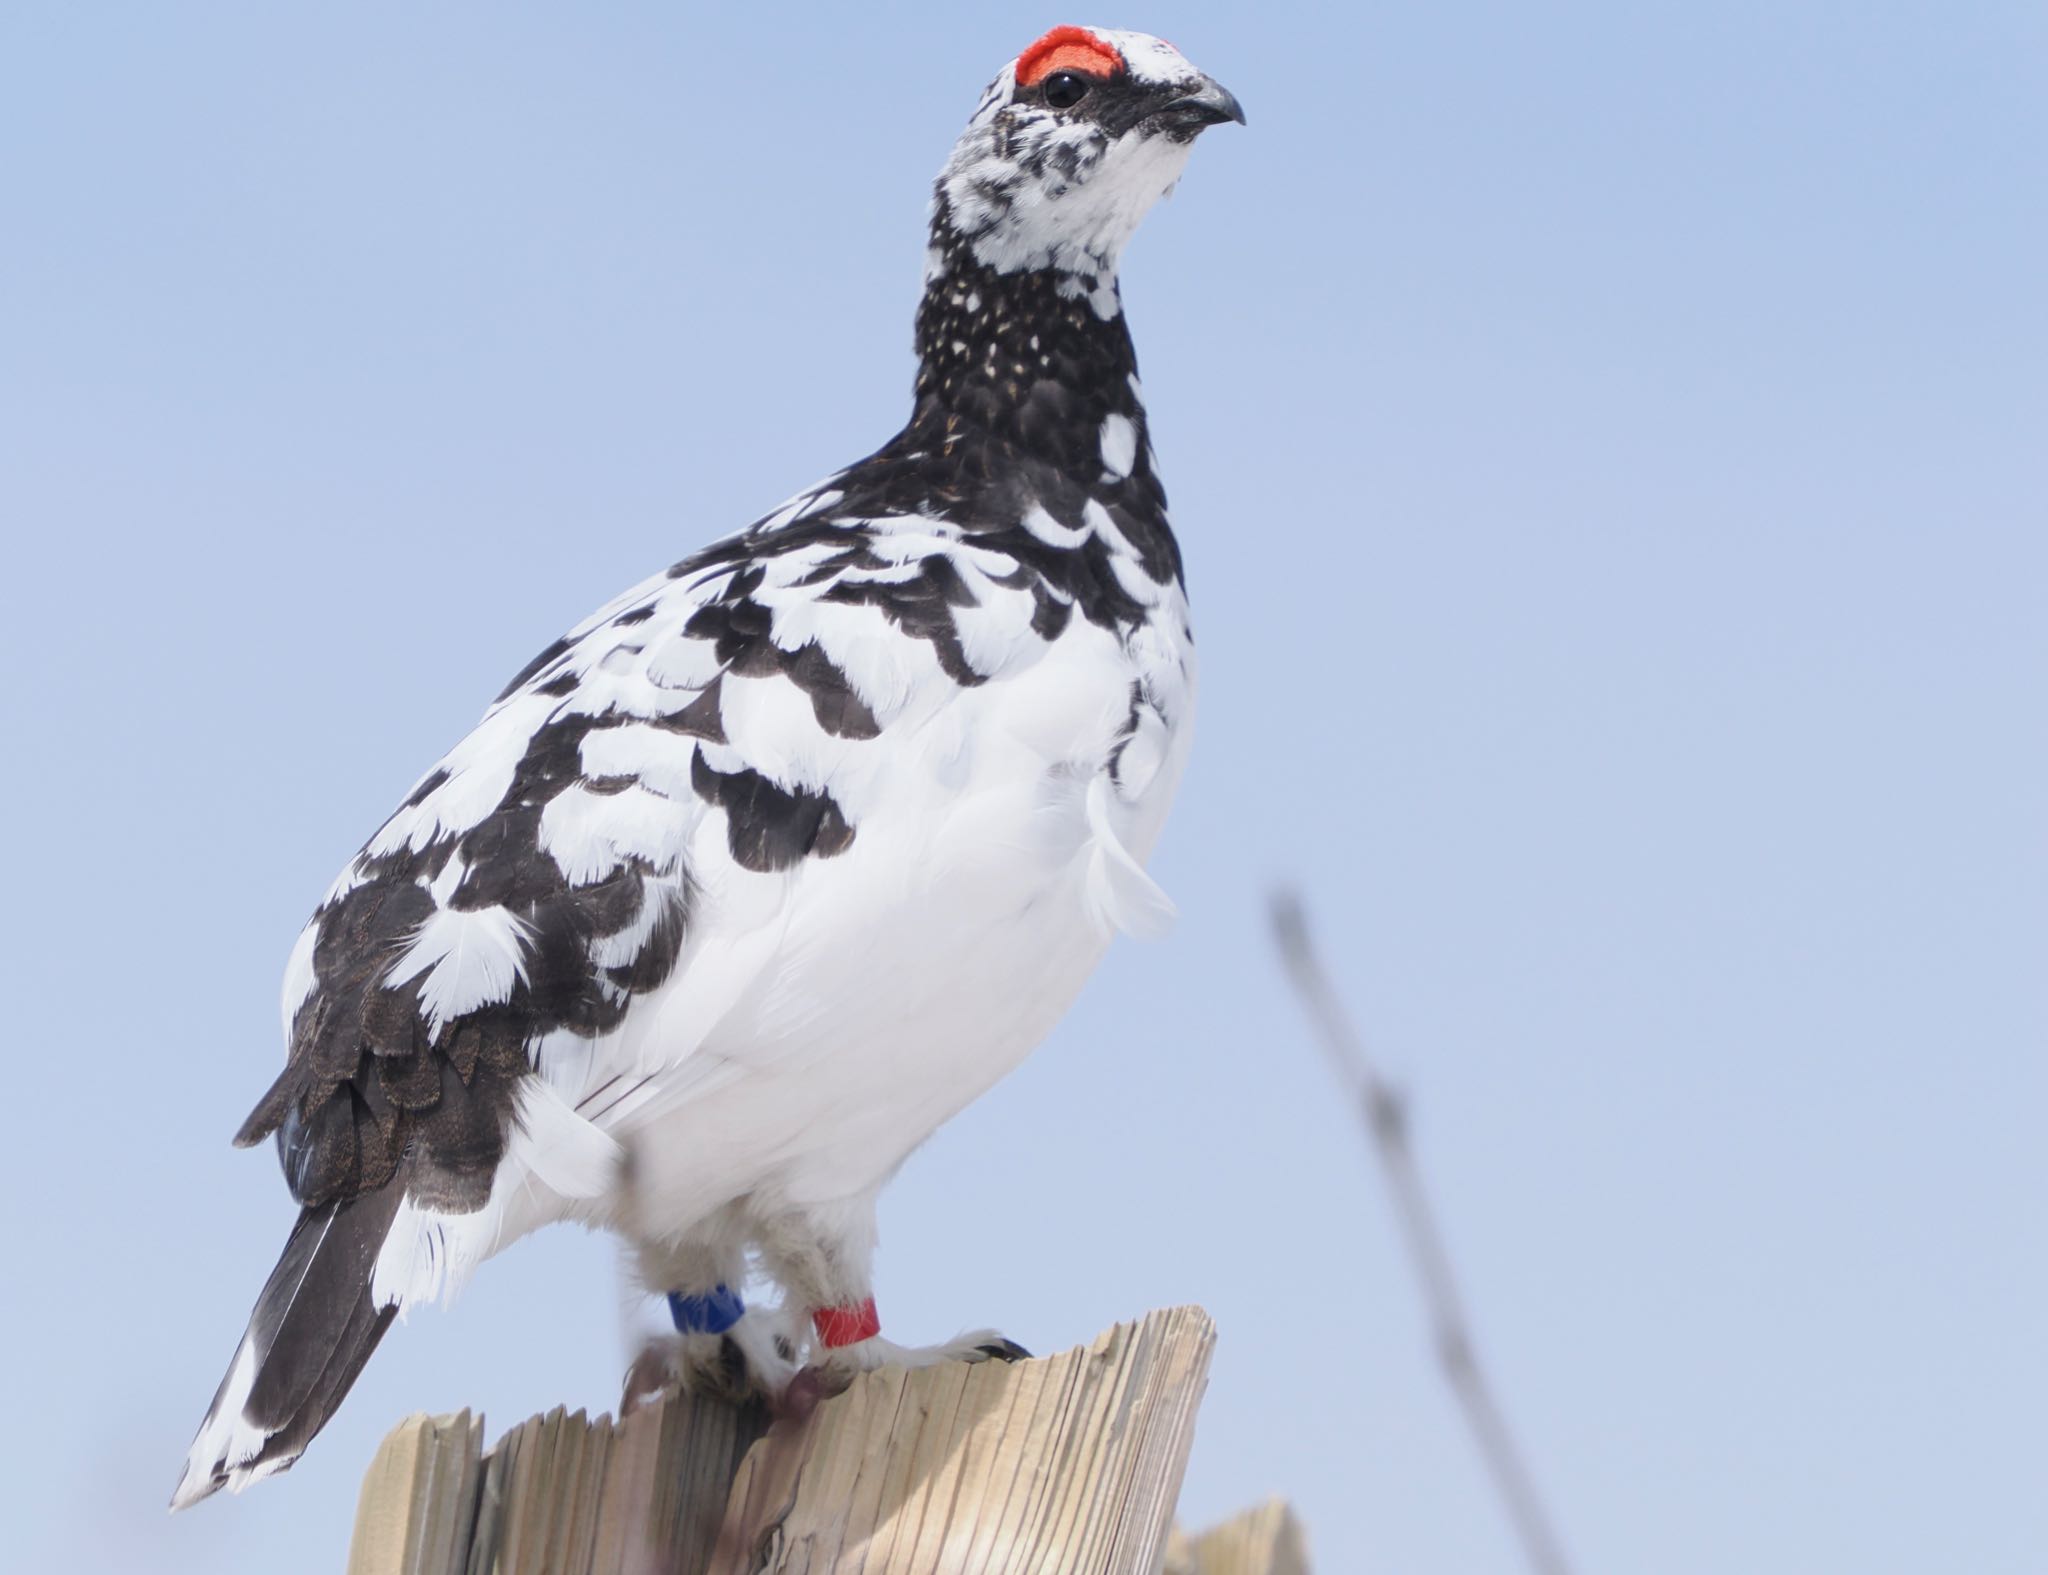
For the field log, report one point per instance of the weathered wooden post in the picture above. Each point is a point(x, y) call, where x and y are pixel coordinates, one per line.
point(1071, 1463)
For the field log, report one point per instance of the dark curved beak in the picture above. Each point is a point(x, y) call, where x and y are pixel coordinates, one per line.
point(1209, 104)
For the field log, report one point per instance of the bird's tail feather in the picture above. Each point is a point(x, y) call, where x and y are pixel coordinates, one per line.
point(314, 1327)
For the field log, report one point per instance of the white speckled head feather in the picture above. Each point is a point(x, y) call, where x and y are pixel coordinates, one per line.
point(1071, 145)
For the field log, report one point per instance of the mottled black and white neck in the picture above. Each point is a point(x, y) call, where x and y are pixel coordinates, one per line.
point(1021, 332)
point(1028, 410)
point(1016, 359)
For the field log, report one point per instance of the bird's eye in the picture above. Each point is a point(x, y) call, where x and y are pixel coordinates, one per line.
point(1065, 89)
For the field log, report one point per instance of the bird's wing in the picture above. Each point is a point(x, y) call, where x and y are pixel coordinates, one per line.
point(725, 719)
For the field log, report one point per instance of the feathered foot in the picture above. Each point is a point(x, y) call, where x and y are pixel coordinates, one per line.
point(753, 1359)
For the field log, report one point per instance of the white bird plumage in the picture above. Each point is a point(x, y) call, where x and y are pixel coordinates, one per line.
point(780, 858)
point(821, 1021)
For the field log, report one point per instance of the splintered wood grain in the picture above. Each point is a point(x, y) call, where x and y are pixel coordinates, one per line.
point(1265, 1540)
point(1070, 1464)
point(550, 1519)
point(644, 1496)
point(663, 1497)
point(418, 1498)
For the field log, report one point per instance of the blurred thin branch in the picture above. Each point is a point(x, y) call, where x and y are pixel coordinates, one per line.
point(1386, 1122)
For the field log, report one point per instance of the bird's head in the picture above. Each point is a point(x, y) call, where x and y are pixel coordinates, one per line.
point(1072, 143)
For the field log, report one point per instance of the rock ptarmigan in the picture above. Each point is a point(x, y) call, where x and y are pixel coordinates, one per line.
point(764, 870)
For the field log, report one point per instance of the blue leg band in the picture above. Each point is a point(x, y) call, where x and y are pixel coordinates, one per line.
point(713, 1314)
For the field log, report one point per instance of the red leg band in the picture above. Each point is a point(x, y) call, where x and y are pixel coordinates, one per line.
point(839, 1326)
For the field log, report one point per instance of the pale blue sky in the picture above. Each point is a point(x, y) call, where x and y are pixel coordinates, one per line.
point(1609, 445)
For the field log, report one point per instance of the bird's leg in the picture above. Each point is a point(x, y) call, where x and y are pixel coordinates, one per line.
point(824, 1259)
point(721, 1346)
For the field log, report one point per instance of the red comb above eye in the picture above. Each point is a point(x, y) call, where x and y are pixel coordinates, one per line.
point(1067, 49)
